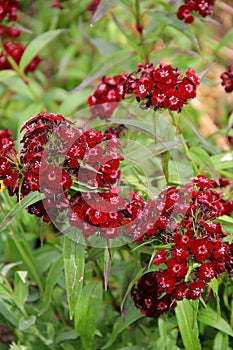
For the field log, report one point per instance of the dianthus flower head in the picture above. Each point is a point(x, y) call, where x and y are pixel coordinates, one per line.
point(202, 7)
point(162, 87)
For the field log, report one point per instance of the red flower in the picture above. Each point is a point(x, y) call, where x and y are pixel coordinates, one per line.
point(207, 272)
point(160, 257)
point(8, 9)
point(176, 268)
point(195, 290)
point(227, 79)
point(202, 249)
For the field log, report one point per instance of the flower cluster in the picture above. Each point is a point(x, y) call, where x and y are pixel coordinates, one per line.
point(106, 214)
point(8, 9)
point(197, 249)
point(15, 51)
point(202, 7)
point(8, 172)
point(162, 87)
point(227, 79)
point(61, 162)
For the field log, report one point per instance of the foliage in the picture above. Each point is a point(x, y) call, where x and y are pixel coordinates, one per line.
point(64, 286)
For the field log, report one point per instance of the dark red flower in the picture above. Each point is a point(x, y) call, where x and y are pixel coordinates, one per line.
point(202, 249)
point(195, 290)
point(8, 9)
point(207, 271)
point(177, 268)
point(160, 257)
point(227, 79)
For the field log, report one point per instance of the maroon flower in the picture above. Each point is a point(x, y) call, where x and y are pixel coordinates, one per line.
point(9, 32)
point(8, 9)
point(195, 290)
point(227, 79)
point(160, 257)
point(203, 7)
point(176, 268)
point(202, 249)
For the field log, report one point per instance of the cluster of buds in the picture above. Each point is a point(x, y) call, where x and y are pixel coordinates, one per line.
point(227, 79)
point(202, 7)
point(198, 248)
point(162, 87)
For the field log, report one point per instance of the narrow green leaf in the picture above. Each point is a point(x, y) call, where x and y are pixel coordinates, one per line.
point(6, 74)
point(74, 261)
point(53, 276)
point(201, 157)
point(223, 160)
point(163, 331)
point(25, 323)
point(214, 284)
point(107, 266)
point(209, 317)
point(221, 341)
point(37, 44)
point(186, 314)
point(101, 10)
point(30, 199)
point(132, 315)
point(8, 314)
point(21, 288)
point(228, 38)
point(87, 312)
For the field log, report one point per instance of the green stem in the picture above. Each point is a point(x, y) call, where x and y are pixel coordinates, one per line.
point(176, 123)
point(25, 254)
point(25, 80)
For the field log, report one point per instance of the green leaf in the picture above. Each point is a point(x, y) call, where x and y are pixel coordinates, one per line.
point(53, 276)
point(74, 262)
point(21, 288)
point(221, 341)
point(37, 44)
point(25, 323)
point(214, 284)
point(69, 335)
point(228, 38)
point(202, 158)
point(186, 314)
point(6, 74)
point(132, 315)
point(8, 314)
point(209, 317)
point(102, 8)
point(223, 160)
point(87, 312)
point(30, 199)
point(224, 219)
point(15, 346)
